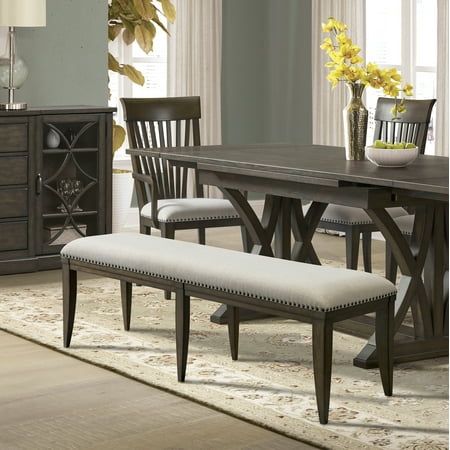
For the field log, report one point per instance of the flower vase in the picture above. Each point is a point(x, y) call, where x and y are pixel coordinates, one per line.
point(355, 116)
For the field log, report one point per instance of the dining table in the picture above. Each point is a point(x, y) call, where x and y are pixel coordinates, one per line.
point(291, 176)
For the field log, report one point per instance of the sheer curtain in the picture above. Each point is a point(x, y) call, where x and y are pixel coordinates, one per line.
point(328, 103)
point(442, 106)
point(194, 63)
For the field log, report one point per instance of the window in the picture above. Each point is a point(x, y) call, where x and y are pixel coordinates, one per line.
point(154, 68)
point(403, 34)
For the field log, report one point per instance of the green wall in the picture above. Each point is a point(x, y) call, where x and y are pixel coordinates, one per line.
point(266, 71)
point(67, 59)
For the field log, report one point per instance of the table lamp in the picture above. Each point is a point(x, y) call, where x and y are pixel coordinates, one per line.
point(19, 13)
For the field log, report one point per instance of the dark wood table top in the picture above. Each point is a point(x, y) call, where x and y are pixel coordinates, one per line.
point(427, 174)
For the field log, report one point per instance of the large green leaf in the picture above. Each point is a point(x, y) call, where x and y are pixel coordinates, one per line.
point(127, 36)
point(119, 135)
point(133, 74)
point(144, 37)
point(113, 64)
point(169, 10)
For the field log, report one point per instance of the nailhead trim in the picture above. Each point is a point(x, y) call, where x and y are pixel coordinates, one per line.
point(230, 291)
point(191, 219)
point(346, 222)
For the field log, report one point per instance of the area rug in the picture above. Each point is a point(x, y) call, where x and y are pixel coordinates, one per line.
point(272, 383)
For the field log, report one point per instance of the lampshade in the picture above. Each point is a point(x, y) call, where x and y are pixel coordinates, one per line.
point(22, 13)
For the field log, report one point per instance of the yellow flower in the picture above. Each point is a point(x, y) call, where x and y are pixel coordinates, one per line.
point(391, 89)
point(327, 45)
point(333, 25)
point(342, 38)
point(408, 89)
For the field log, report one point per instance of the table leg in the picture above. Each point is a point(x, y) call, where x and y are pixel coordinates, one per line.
point(412, 293)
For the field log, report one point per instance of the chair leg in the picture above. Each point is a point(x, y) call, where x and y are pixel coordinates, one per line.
point(202, 236)
point(322, 360)
point(352, 235)
point(384, 336)
point(391, 265)
point(167, 232)
point(126, 290)
point(182, 320)
point(69, 302)
point(367, 250)
point(233, 330)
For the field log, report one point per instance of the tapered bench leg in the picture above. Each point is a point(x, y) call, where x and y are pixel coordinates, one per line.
point(69, 301)
point(233, 330)
point(126, 290)
point(182, 322)
point(322, 360)
point(384, 335)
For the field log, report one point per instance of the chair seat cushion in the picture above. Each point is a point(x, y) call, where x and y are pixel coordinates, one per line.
point(270, 279)
point(191, 209)
point(406, 224)
point(348, 215)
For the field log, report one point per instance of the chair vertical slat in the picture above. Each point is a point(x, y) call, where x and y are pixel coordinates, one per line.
point(137, 134)
point(392, 133)
point(145, 135)
point(177, 168)
point(184, 174)
point(400, 132)
point(410, 132)
point(170, 169)
point(151, 126)
point(162, 140)
point(187, 132)
point(421, 137)
point(196, 131)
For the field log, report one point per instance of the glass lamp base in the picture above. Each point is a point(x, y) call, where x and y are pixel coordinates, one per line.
point(12, 106)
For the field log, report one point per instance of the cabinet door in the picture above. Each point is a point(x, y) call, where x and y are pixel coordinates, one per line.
point(70, 179)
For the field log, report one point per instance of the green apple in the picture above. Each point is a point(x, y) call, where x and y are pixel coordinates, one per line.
point(397, 146)
point(379, 144)
point(409, 145)
point(390, 146)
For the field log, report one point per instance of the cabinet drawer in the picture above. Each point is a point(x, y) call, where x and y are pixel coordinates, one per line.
point(13, 203)
point(13, 170)
point(14, 137)
point(13, 236)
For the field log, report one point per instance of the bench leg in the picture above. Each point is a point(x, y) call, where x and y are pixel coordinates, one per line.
point(167, 232)
point(384, 335)
point(322, 359)
point(202, 236)
point(126, 290)
point(69, 302)
point(233, 330)
point(182, 321)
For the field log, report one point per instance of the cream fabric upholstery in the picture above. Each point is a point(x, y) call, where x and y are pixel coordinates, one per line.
point(287, 282)
point(406, 224)
point(348, 215)
point(189, 209)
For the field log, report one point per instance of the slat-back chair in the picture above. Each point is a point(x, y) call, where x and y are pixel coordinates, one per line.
point(162, 189)
point(410, 126)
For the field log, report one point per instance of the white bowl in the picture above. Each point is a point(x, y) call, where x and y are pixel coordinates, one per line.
point(386, 157)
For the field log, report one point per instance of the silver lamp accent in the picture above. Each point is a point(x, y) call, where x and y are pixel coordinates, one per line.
point(19, 13)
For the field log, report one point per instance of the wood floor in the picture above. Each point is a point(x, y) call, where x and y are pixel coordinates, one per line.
point(52, 401)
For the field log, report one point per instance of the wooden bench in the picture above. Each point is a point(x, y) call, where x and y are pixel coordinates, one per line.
point(305, 292)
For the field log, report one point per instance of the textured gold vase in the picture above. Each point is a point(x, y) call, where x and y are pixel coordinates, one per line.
point(355, 117)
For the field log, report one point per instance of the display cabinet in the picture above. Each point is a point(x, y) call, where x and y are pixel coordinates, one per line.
point(55, 182)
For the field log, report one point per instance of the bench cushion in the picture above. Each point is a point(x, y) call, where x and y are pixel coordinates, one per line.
point(276, 280)
point(191, 209)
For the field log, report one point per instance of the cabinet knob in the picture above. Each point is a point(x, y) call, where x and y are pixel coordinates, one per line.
point(38, 184)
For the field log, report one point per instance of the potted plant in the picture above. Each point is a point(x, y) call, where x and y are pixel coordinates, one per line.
point(131, 21)
point(346, 65)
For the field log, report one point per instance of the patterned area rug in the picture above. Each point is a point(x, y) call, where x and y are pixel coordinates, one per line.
point(272, 383)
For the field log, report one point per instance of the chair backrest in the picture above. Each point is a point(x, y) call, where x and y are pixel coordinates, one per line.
point(410, 126)
point(156, 123)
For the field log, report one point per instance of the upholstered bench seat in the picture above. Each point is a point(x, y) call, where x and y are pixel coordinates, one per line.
point(349, 215)
point(191, 209)
point(315, 294)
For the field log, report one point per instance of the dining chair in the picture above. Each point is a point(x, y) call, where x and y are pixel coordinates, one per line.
point(162, 189)
point(410, 126)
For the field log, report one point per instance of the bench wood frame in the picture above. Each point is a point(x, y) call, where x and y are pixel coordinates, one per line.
point(322, 322)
